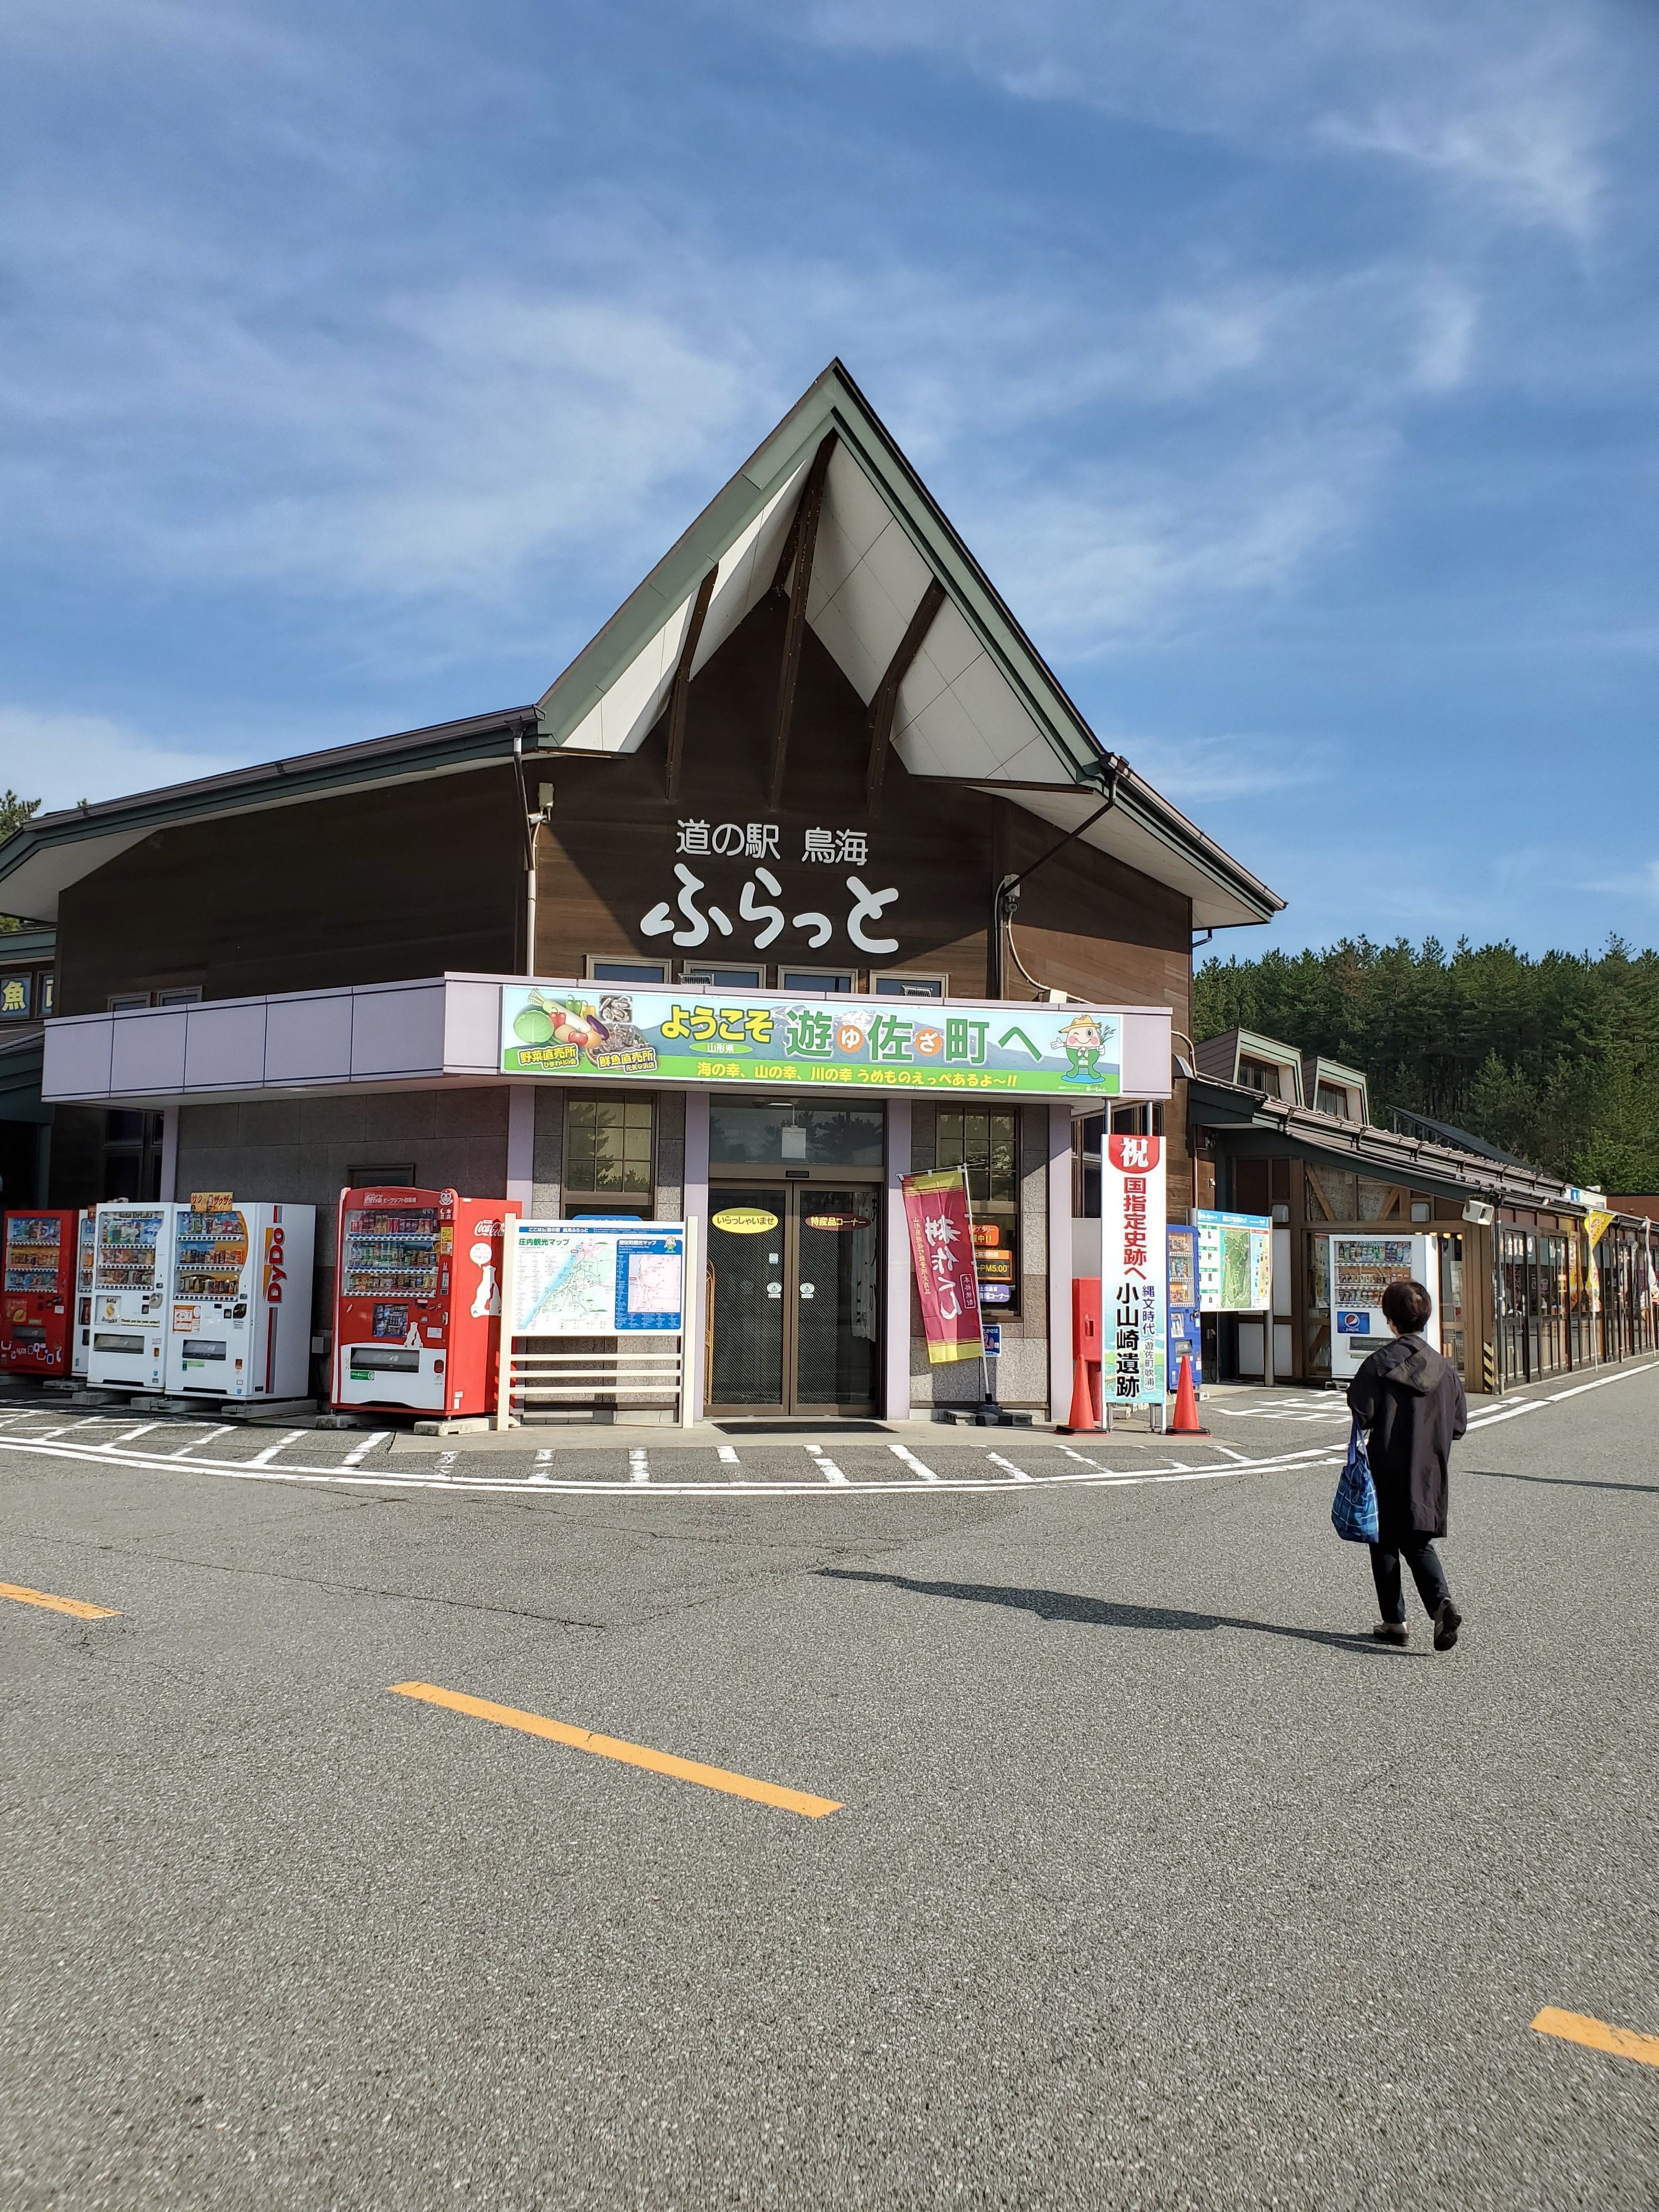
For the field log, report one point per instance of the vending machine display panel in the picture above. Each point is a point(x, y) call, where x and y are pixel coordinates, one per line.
point(36, 1293)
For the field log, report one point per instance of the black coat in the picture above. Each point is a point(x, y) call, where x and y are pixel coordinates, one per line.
point(1411, 1402)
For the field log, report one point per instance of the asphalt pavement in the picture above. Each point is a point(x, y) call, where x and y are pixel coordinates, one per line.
point(1151, 1881)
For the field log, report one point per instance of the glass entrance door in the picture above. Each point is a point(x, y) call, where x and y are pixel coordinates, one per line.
point(793, 1299)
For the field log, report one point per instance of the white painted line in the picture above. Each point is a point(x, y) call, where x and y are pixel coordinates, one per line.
point(727, 1457)
point(127, 1436)
point(1227, 1451)
point(826, 1467)
point(44, 1436)
point(263, 1458)
point(539, 1473)
point(447, 1459)
point(358, 1453)
point(1018, 1473)
point(917, 1466)
point(639, 1467)
point(205, 1438)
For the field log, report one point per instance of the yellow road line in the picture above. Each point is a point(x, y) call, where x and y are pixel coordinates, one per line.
point(1619, 2042)
point(633, 1754)
point(77, 1606)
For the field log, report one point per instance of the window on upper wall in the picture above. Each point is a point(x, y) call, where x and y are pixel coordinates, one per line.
point(818, 982)
point(609, 1148)
point(1332, 1098)
point(602, 969)
point(988, 1145)
point(721, 978)
point(1146, 1120)
point(894, 985)
point(1261, 1075)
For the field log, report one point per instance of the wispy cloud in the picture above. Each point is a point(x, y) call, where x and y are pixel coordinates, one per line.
point(59, 758)
point(1501, 98)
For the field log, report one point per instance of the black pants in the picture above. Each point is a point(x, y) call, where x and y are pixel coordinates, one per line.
point(1426, 1572)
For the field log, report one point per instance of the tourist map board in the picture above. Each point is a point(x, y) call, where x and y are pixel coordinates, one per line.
point(598, 1278)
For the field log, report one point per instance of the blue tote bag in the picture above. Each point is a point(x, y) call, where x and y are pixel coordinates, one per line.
point(1353, 1514)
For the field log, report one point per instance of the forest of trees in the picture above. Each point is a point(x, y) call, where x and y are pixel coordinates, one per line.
point(1555, 1059)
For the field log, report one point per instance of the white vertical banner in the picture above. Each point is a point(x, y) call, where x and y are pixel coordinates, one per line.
point(1133, 1319)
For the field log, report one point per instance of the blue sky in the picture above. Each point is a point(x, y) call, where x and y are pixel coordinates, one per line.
point(1292, 367)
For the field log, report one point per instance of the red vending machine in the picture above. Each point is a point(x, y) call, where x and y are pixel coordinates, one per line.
point(417, 1305)
point(36, 1292)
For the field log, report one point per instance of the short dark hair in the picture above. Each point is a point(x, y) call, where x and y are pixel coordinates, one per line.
point(1407, 1306)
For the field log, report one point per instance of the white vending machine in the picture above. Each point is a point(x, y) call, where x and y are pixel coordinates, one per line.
point(131, 1267)
point(86, 1252)
point(1361, 1269)
point(239, 1320)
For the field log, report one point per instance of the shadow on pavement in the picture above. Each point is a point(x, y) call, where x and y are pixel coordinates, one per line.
point(1107, 1613)
point(1557, 1481)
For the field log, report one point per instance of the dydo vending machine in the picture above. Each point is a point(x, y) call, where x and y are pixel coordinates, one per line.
point(132, 1265)
point(238, 1322)
point(37, 1302)
point(418, 1304)
point(86, 1252)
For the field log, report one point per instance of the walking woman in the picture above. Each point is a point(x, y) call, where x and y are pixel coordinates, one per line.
point(1410, 1400)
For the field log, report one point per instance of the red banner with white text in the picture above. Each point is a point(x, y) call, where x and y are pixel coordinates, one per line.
point(942, 1249)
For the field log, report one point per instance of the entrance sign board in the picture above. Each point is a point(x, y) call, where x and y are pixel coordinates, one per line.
point(1235, 1261)
point(591, 1030)
point(941, 1246)
point(1134, 1350)
point(598, 1279)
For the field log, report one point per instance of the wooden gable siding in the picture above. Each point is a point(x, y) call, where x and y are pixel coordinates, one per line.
point(364, 888)
point(1086, 924)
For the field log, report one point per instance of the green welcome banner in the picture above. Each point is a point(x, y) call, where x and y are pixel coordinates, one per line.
point(694, 1035)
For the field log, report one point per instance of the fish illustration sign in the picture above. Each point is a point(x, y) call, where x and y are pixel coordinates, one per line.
point(697, 1036)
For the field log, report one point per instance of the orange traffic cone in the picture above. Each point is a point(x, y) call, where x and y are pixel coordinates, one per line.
point(1081, 1421)
point(1186, 1422)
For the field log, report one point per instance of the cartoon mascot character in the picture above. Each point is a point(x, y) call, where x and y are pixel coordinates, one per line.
point(1081, 1039)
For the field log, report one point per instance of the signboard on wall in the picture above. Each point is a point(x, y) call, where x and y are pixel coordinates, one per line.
point(616, 1034)
point(1235, 1261)
point(1133, 1351)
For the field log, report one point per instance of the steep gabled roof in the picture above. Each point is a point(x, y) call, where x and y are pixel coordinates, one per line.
point(978, 703)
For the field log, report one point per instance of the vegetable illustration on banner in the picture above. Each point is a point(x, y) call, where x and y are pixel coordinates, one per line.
point(752, 1037)
point(942, 1248)
point(1135, 1352)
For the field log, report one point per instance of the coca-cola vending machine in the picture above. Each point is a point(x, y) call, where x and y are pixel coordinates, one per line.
point(37, 1302)
point(417, 1301)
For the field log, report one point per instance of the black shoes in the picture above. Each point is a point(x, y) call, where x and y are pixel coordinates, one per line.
point(1391, 1631)
point(1447, 1622)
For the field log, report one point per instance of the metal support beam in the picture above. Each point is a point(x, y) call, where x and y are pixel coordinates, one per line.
point(886, 702)
point(681, 692)
point(804, 534)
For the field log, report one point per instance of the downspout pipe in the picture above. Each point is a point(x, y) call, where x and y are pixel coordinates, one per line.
point(1005, 900)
